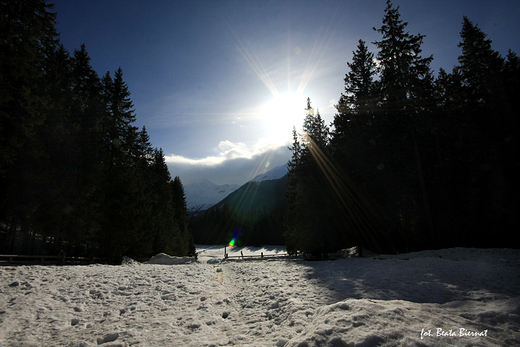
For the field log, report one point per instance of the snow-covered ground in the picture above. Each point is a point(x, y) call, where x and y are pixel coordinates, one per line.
point(417, 299)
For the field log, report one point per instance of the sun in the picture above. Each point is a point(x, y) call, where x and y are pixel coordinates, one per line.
point(281, 114)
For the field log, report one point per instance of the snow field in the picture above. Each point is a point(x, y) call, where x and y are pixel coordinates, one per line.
point(393, 301)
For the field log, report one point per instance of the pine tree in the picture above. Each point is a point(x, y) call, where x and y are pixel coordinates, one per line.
point(405, 74)
point(487, 144)
point(358, 101)
point(354, 123)
point(164, 227)
point(119, 133)
point(292, 222)
point(142, 150)
point(74, 169)
point(512, 87)
point(406, 97)
point(85, 120)
point(480, 68)
point(126, 201)
point(122, 113)
point(512, 74)
point(511, 155)
point(356, 155)
point(57, 173)
point(307, 219)
point(27, 35)
point(186, 246)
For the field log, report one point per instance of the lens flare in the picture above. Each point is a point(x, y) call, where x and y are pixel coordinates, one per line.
point(236, 233)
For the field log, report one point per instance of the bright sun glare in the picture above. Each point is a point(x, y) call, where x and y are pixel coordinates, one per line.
point(281, 113)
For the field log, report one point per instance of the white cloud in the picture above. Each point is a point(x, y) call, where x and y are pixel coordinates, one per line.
point(208, 161)
point(226, 150)
point(229, 150)
point(231, 163)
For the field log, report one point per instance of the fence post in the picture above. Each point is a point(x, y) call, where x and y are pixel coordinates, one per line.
point(62, 256)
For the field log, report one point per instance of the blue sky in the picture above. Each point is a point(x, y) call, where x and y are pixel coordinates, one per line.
point(219, 84)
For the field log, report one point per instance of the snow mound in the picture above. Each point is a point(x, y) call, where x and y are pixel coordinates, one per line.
point(129, 261)
point(165, 259)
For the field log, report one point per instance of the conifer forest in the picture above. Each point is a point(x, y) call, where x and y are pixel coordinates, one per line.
point(414, 159)
point(76, 174)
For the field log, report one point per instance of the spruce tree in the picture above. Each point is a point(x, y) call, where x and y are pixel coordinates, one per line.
point(488, 146)
point(480, 67)
point(122, 111)
point(27, 35)
point(85, 118)
point(355, 155)
point(27, 38)
point(354, 123)
point(405, 74)
point(142, 151)
point(292, 221)
point(406, 96)
point(75, 172)
point(307, 218)
point(186, 246)
point(166, 233)
point(57, 191)
point(358, 101)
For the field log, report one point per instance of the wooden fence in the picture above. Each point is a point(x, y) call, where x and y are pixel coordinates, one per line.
point(261, 256)
point(60, 259)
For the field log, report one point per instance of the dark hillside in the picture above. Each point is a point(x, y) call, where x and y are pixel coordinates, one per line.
point(253, 215)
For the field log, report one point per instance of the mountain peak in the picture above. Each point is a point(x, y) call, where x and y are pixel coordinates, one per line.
point(273, 174)
point(203, 194)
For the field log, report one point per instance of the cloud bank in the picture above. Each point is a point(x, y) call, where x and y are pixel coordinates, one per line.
point(232, 163)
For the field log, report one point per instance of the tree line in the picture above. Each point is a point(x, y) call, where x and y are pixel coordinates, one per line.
point(411, 161)
point(252, 215)
point(76, 174)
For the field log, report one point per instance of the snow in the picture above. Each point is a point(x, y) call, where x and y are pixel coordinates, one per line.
point(204, 194)
point(273, 174)
point(451, 297)
point(166, 259)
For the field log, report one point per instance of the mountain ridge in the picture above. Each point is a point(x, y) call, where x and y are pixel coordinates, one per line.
point(205, 194)
point(273, 174)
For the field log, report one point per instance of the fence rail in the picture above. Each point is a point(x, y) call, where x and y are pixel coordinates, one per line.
point(61, 259)
point(257, 256)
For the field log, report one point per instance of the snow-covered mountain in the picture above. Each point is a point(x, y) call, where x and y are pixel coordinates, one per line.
point(273, 174)
point(204, 194)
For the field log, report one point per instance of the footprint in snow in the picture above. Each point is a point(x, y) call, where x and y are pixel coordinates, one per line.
point(220, 274)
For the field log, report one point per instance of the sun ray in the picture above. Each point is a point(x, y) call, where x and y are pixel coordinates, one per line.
point(315, 57)
point(255, 64)
point(280, 112)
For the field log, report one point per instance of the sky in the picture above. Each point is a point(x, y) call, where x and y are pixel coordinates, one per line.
point(219, 85)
